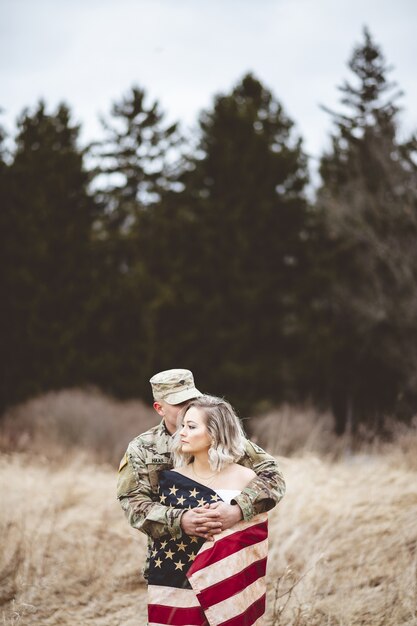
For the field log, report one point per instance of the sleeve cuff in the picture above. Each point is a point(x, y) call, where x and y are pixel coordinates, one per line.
point(175, 529)
point(245, 504)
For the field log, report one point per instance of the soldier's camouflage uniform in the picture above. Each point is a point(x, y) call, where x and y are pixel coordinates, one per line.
point(149, 453)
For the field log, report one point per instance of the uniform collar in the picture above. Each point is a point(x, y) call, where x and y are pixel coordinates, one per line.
point(163, 429)
point(163, 439)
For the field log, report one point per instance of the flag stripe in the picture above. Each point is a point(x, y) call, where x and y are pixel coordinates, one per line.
point(228, 587)
point(234, 563)
point(205, 623)
point(236, 605)
point(175, 616)
point(248, 617)
point(261, 517)
point(228, 545)
point(172, 596)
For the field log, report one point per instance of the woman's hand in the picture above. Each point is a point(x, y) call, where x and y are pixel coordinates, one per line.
point(201, 522)
point(228, 514)
point(211, 519)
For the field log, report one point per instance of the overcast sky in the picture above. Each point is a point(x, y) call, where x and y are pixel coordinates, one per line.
point(90, 52)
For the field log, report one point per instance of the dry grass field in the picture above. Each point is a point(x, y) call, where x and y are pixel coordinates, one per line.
point(343, 541)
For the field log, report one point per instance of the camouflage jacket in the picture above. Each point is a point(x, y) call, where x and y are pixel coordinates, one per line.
point(149, 453)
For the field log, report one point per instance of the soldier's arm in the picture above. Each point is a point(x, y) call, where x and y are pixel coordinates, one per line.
point(135, 495)
point(266, 489)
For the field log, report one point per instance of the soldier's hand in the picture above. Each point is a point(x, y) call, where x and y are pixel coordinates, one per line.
point(201, 522)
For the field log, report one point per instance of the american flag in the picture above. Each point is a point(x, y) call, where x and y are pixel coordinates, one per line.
point(193, 582)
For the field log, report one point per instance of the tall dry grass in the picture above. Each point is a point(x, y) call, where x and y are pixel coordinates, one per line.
point(72, 420)
point(298, 431)
point(343, 541)
point(67, 421)
point(343, 546)
point(68, 557)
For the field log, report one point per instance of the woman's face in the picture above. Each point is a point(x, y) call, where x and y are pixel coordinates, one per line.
point(194, 435)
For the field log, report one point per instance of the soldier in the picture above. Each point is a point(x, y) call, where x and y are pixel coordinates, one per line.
point(149, 453)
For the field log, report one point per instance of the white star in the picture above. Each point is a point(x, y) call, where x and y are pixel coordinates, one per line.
point(201, 502)
point(194, 493)
point(181, 546)
point(173, 490)
point(179, 565)
point(162, 498)
point(181, 500)
point(169, 554)
point(215, 497)
point(192, 556)
point(158, 563)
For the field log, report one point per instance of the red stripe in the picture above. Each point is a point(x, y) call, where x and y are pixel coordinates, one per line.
point(229, 545)
point(176, 616)
point(230, 586)
point(248, 617)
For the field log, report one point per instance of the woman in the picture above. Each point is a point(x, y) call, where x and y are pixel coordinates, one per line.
point(193, 581)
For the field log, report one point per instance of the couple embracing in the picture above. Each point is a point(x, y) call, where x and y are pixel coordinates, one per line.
point(200, 491)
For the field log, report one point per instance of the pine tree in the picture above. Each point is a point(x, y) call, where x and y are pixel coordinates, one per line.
point(136, 164)
point(135, 159)
point(369, 199)
point(242, 218)
point(6, 285)
point(47, 255)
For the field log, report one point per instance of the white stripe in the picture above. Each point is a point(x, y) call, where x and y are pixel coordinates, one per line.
point(171, 596)
point(221, 570)
point(237, 604)
point(237, 528)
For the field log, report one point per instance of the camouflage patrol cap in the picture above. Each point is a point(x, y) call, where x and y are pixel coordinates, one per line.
point(174, 386)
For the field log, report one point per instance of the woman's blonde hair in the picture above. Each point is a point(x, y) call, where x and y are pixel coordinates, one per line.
point(224, 428)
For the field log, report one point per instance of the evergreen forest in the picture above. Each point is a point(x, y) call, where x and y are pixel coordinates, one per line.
point(149, 249)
